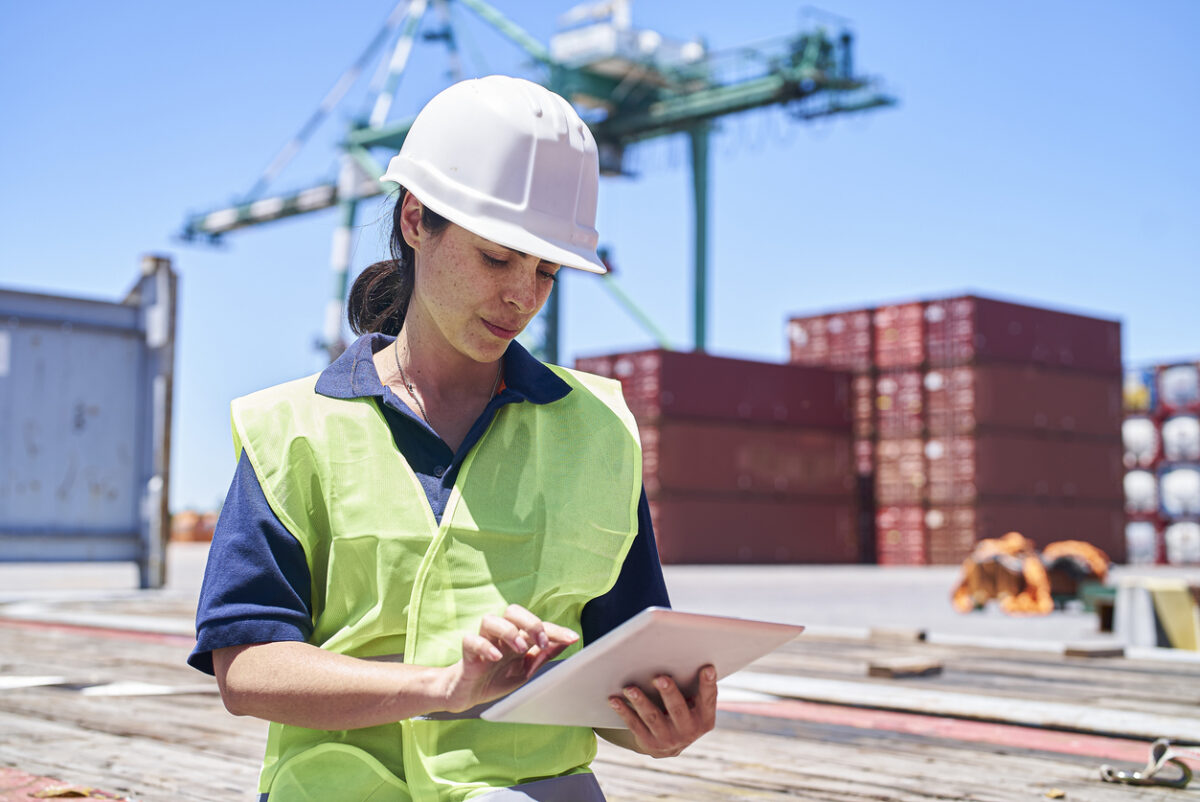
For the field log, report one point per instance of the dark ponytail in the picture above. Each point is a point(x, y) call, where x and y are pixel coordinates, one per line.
point(379, 298)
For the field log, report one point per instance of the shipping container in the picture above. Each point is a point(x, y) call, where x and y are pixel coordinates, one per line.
point(900, 476)
point(1179, 387)
point(1142, 442)
point(865, 507)
point(1181, 541)
point(680, 384)
point(899, 404)
point(951, 533)
point(864, 458)
point(899, 336)
point(1179, 490)
point(85, 421)
point(1143, 543)
point(959, 469)
point(1140, 390)
point(862, 399)
point(972, 329)
point(1004, 395)
point(808, 341)
point(1181, 438)
point(900, 535)
point(708, 529)
point(841, 340)
point(1141, 492)
point(713, 456)
point(850, 341)
point(1101, 524)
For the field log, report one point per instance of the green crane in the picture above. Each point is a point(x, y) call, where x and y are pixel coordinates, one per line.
point(631, 85)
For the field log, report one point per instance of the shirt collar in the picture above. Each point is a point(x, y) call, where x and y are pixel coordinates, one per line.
point(353, 374)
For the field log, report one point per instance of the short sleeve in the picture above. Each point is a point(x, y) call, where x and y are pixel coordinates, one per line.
point(639, 585)
point(257, 586)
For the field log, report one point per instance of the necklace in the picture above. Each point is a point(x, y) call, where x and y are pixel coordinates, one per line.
point(412, 390)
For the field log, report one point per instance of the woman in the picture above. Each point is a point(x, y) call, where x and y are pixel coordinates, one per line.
point(422, 526)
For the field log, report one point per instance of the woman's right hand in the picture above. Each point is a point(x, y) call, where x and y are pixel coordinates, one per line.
point(508, 650)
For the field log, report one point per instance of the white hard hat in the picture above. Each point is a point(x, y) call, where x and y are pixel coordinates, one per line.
point(510, 161)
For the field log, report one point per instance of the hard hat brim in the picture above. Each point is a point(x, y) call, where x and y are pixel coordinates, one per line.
point(501, 232)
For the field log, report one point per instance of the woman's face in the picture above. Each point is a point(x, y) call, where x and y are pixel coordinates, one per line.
point(477, 295)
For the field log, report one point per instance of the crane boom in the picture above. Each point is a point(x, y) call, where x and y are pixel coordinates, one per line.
point(631, 85)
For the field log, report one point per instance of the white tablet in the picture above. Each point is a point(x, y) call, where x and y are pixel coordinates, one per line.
point(655, 641)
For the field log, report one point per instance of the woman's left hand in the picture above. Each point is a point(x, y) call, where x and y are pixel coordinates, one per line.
point(666, 731)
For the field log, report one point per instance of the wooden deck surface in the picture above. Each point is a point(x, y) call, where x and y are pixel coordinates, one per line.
point(184, 746)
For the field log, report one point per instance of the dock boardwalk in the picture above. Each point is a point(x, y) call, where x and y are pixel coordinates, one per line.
point(184, 746)
point(1137, 685)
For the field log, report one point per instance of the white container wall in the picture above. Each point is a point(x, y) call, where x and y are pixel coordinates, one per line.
point(1141, 542)
point(1179, 386)
point(1181, 438)
point(1179, 489)
point(85, 414)
point(1141, 439)
point(1182, 542)
point(1141, 492)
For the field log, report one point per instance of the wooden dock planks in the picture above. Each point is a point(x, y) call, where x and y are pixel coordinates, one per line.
point(187, 747)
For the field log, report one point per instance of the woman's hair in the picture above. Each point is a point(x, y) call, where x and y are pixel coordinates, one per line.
point(379, 298)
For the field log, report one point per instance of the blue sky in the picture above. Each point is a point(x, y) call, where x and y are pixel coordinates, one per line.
point(1043, 152)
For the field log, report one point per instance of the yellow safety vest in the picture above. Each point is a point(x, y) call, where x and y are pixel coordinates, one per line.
point(542, 514)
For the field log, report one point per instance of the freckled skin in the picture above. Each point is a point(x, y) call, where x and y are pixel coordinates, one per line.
point(463, 283)
point(471, 297)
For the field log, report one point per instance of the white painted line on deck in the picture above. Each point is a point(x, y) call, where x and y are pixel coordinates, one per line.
point(892, 696)
point(132, 688)
point(10, 682)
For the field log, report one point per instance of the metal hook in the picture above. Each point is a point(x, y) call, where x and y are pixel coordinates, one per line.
point(1160, 755)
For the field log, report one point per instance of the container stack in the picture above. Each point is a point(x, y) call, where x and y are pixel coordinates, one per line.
point(1161, 436)
point(743, 462)
point(985, 417)
point(845, 341)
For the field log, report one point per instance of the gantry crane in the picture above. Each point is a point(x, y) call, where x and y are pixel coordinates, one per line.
point(630, 85)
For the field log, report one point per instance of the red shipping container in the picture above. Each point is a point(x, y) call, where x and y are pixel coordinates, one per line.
point(1101, 524)
point(714, 456)
point(864, 457)
point(959, 399)
point(808, 341)
point(663, 383)
point(841, 340)
point(899, 336)
point(951, 533)
point(900, 535)
point(900, 471)
point(899, 403)
point(850, 340)
point(969, 329)
point(963, 468)
point(862, 396)
point(706, 529)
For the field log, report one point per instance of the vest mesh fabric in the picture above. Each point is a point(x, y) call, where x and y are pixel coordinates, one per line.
point(542, 514)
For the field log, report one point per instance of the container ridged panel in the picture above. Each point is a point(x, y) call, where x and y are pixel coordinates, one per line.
point(743, 461)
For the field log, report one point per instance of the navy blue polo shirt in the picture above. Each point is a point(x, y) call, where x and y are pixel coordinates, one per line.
point(257, 586)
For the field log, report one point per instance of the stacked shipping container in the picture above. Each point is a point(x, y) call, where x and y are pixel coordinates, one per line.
point(845, 341)
point(1161, 435)
point(743, 461)
point(976, 417)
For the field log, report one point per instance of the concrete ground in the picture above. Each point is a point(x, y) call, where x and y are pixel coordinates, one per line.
point(822, 597)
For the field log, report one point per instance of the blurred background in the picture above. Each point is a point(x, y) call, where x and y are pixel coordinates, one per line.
point(972, 227)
